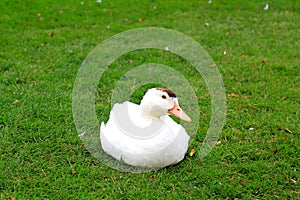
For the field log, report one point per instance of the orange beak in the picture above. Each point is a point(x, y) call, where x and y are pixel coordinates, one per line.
point(178, 112)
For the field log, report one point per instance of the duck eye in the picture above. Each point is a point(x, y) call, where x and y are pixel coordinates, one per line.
point(164, 96)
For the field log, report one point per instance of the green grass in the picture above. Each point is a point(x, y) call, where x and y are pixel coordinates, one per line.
point(39, 145)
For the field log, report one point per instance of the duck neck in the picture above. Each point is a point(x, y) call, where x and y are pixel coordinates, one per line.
point(150, 112)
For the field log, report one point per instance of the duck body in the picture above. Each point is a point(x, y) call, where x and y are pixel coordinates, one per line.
point(144, 135)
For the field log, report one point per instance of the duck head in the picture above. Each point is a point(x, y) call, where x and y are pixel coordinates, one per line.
point(162, 101)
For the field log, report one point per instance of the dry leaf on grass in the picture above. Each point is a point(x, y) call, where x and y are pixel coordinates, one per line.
point(192, 152)
point(232, 95)
point(16, 101)
point(288, 130)
point(275, 151)
point(291, 180)
point(73, 171)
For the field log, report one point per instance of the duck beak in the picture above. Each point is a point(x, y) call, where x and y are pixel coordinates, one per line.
point(178, 112)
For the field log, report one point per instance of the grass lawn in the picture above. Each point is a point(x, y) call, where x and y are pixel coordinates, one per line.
point(43, 45)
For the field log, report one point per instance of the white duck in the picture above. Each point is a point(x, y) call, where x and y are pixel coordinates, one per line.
point(144, 135)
